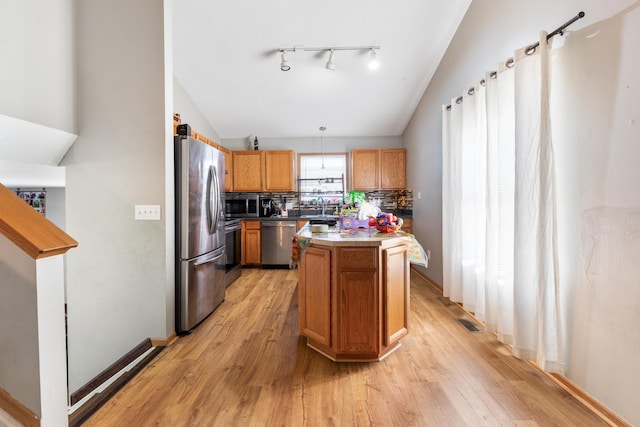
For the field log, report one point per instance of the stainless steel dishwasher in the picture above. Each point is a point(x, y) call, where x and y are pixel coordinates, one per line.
point(276, 242)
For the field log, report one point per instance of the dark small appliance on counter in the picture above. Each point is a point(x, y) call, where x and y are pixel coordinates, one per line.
point(267, 208)
point(184, 129)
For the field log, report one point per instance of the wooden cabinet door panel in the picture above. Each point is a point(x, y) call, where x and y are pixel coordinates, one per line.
point(315, 295)
point(247, 170)
point(228, 169)
point(253, 253)
point(251, 242)
point(278, 167)
point(364, 169)
point(393, 174)
point(407, 225)
point(395, 276)
point(358, 323)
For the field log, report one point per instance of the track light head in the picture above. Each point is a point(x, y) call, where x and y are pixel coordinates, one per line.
point(284, 64)
point(330, 64)
point(373, 62)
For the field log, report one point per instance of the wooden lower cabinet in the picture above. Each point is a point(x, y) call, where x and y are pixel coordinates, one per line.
point(315, 312)
point(251, 243)
point(358, 317)
point(354, 301)
point(407, 225)
point(395, 292)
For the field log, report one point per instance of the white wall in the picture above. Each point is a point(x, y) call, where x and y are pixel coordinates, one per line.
point(37, 77)
point(595, 113)
point(19, 358)
point(117, 278)
point(37, 105)
point(190, 113)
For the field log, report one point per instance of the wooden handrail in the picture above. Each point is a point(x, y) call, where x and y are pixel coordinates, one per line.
point(29, 230)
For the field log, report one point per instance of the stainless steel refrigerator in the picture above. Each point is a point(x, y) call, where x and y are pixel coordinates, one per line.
point(200, 239)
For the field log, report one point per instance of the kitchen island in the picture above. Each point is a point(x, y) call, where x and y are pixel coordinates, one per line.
point(353, 292)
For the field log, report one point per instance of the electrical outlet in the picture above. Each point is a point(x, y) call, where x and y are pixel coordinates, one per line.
point(428, 254)
point(419, 195)
point(147, 212)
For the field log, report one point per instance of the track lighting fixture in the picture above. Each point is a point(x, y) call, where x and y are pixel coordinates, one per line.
point(330, 64)
point(284, 64)
point(373, 62)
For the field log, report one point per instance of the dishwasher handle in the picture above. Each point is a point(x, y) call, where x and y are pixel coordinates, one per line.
point(275, 224)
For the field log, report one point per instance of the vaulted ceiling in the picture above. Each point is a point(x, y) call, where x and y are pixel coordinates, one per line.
point(226, 57)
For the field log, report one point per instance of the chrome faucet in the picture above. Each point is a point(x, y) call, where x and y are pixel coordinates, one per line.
point(321, 201)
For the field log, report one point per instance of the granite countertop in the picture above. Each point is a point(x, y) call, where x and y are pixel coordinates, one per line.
point(354, 237)
point(295, 216)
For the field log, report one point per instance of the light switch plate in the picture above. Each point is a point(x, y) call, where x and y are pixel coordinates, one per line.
point(148, 212)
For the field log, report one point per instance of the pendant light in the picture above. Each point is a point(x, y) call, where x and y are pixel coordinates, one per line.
point(322, 129)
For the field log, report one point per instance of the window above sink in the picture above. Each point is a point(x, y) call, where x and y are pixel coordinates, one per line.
point(321, 178)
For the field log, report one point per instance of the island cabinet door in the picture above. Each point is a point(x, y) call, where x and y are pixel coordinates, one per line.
point(314, 295)
point(395, 291)
point(358, 313)
point(358, 301)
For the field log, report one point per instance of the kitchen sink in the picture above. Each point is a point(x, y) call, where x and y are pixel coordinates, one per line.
point(329, 220)
point(319, 219)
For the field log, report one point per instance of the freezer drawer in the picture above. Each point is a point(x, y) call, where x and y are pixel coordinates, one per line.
point(276, 242)
point(201, 288)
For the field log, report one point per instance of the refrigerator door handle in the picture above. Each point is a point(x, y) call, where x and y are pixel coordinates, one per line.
point(218, 199)
point(213, 201)
point(216, 257)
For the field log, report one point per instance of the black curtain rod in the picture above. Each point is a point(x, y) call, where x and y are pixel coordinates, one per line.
point(530, 49)
point(559, 30)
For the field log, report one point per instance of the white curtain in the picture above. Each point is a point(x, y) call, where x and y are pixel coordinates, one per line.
point(499, 207)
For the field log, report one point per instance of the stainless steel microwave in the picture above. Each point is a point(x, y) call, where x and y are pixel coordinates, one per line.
point(241, 205)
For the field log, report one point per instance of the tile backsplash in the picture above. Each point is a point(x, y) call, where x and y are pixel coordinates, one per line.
point(388, 200)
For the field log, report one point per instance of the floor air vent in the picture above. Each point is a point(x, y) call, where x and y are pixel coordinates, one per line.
point(468, 325)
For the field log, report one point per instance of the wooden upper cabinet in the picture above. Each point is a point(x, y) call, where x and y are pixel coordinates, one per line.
point(228, 168)
point(269, 170)
point(176, 122)
point(278, 170)
point(247, 170)
point(393, 169)
point(228, 160)
point(365, 169)
point(379, 169)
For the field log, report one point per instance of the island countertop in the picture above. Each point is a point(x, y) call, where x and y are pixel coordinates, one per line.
point(357, 237)
point(354, 237)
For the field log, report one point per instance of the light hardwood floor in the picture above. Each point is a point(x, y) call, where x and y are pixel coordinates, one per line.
point(246, 366)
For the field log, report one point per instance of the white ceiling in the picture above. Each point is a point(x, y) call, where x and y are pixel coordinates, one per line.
point(225, 56)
